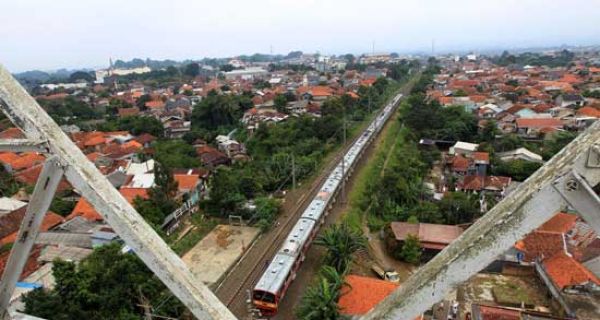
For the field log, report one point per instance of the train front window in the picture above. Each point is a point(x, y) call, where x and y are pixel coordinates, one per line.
point(264, 296)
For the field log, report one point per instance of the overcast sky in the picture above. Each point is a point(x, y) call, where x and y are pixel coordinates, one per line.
point(42, 34)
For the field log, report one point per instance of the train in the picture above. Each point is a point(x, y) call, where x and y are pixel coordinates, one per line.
point(281, 270)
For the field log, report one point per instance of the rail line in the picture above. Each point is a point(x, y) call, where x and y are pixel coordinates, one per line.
point(235, 298)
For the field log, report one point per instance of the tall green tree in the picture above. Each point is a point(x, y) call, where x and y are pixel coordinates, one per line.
point(192, 69)
point(411, 249)
point(106, 285)
point(341, 242)
point(319, 301)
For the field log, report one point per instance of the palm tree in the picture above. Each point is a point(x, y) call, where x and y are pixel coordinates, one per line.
point(341, 242)
point(320, 300)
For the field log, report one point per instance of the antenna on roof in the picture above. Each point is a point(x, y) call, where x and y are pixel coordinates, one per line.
point(373, 48)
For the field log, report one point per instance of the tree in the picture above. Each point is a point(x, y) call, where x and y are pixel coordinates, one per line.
point(81, 75)
point(141, 101)
point(411, 249)
point(519, 170)
point(215, 111)
point(489, 131)
point(141, 124)
point(192, 70)
point(319, 302)
point(226, 68)
point(107, 284)
point(175, 154)
point(280, 103)
point(165, 189)
point(8, 184)
point(459, 207)
point(557, 143)
point(266, 211)
point(341, 242)
point(225, 197)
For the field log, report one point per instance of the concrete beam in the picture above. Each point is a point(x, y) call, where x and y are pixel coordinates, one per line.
point(25, 112)
point(22, 145)
point(34, 215)
point(530, 205)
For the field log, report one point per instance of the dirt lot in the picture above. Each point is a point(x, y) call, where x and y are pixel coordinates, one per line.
point(218, 251)
point(498, 289)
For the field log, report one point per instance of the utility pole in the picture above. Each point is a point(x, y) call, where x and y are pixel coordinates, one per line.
point(293, 171)
point(369, 93)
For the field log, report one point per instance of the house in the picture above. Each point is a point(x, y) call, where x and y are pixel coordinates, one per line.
point(211, 157)
point(433, 237)
point(568, 274)
point(520, 154)
point(535, 127)
point(189, 185)
point(128, 112)
point(11, 222)
point(569, 100)
point(9, 205)
point(477, 183)
point(15, 163)
point(464, 148)
point(361, 294)
point(229, 146)
point(145, 139)
point(85, 210)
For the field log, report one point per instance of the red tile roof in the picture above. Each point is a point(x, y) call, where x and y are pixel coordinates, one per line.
point(131, 193)
point(560, 223)
point(8, 157)
point(127, 112)
point(145, 138)
point(460, 163)
point(589, 112)
point(85, 210)
point(498, 313)
point(27, 160)
point(30, 266)
point(362, 294)
point(565, 271)
point(432, 236)
point(155, 104)
point(476, 183)
point(30, 176)
point(540, 244)
point(11, 222)
point(321, 91)
point(538, 123)
point(186, 182)
point(12, 133)
point(481, 157)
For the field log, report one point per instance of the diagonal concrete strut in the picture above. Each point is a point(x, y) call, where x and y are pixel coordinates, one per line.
point(25, 113)
point(534, 202)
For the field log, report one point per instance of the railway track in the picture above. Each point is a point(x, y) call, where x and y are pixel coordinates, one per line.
point(235, 298)
point(233, 291)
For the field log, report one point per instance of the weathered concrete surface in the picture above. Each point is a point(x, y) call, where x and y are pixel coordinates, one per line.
point(25, 112)
point(41, 199)
point(214, 255)
point(530, 205)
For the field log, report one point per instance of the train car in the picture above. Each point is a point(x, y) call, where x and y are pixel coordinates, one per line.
point(281, 271)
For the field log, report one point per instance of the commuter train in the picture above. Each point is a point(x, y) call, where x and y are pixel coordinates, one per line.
point(281, 271)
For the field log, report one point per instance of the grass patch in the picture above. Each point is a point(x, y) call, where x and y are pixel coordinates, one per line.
point(202, 226)
point(359, 197)
point(511, 294)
